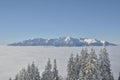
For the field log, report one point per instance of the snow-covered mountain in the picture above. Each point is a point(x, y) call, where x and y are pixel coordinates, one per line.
point(62, 41)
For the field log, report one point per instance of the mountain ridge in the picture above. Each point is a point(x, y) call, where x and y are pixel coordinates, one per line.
point(62, 41)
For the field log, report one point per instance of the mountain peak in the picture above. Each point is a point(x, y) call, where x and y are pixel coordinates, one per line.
point(67, 38)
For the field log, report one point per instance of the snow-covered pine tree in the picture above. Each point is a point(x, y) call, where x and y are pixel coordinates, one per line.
point(71, 75)
point(55, 71)
point(29, 72)
point(83, 61)
point(23, 75)
point(104, 65)
point(47, 74)
point(33, 72)
point(92, 70)
point(77, 66)
point(37, 74)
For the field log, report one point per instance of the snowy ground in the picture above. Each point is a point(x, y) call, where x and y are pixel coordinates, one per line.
point(12, 59)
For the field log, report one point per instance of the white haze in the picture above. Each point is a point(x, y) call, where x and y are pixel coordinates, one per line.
point(13, 59)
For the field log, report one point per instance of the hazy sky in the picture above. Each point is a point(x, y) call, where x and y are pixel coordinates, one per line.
point(26, 19)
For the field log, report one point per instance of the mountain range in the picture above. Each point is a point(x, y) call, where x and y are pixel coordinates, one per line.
point(62, 41)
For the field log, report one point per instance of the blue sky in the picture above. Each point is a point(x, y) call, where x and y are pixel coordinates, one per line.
point(27, 19)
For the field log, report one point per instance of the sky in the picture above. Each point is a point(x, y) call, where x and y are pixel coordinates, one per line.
point(28, 19)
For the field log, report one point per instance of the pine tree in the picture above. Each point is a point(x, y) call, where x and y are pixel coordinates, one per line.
point(92, 70)
point(104, 65)
point(83, 63)
point(71, 69)
point(55, 71)
point(22, 75)
point(29, 72)
point(77, 66)
point(33, 72)
point(47, 74)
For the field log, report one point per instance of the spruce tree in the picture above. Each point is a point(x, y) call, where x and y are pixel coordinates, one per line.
point(77, 66)
point(47, 74)
point(55, 71)
point(23, 75)
point(83, 63)
point(71, 69)
point(33, 72)
point(104, 65)
point(91, 69)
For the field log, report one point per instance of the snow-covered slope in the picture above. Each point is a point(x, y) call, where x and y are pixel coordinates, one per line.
point(14, 58)
point(62, 41)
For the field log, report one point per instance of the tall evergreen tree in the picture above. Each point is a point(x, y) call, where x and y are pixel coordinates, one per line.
point(104, 65)
point(77, 66)
point(83, 63)
point(47, 74)
point(55, 71)
point(71, 69)
point(91, 69)
point(33, 72)
point(23, 75)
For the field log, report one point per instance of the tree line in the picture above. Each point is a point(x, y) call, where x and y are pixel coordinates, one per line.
point(86, 66)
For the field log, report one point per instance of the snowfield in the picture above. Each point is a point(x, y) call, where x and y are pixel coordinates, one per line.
point(14, 58)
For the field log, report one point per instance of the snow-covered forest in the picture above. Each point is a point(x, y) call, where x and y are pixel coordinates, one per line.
point(83, 66)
